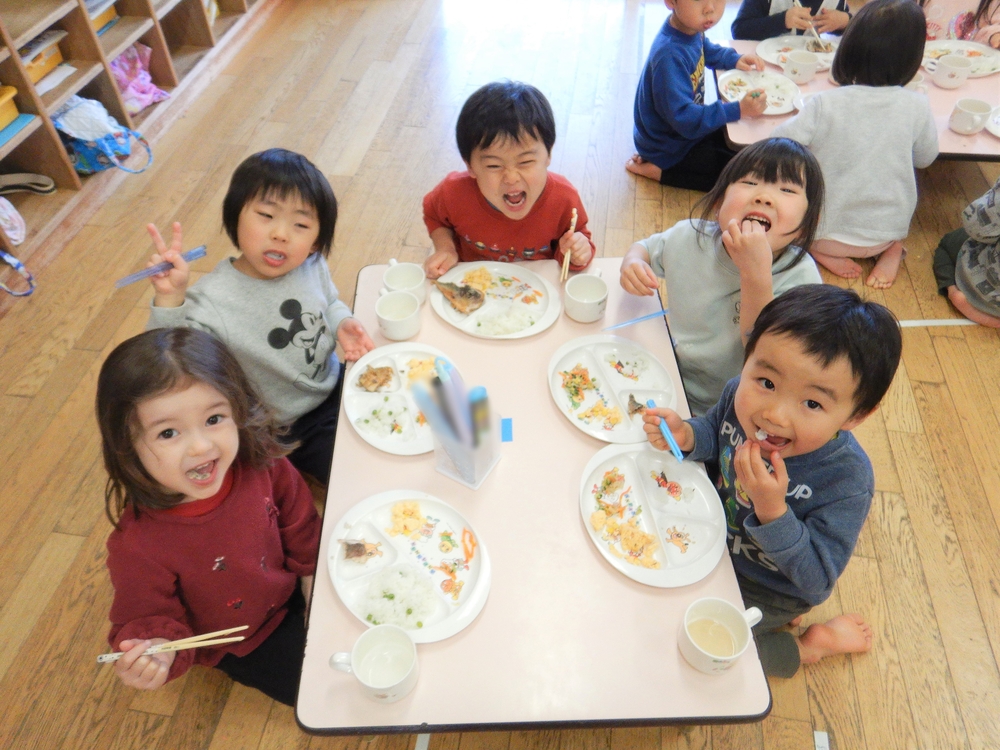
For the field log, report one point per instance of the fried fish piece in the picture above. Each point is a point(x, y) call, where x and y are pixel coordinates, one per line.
point(374, 378)
point(465, 299)
point(634, 407)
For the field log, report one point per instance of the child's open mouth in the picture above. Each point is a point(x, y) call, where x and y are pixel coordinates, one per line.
point(202, 474)
point(769, 442)
point(515, 200)
point(760, 219)
point(274, 258)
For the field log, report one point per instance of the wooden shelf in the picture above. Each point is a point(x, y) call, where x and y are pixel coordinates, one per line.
point(162, 7)
point(139, 118)
point(224, 22)
point(86, 71)
point(187, 57)
point(4, 54)
point(122, 34)
point(26, 19)
point(39, 210)
point(20, 137)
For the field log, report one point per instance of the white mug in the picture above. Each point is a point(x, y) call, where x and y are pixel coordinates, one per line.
point(719, 636)
point(398, 314)
point(917, 84)
point(405, 277)
point(384, 661)
point(586, 297)
point(801, 66)
point(950, 71)
point(969, 116)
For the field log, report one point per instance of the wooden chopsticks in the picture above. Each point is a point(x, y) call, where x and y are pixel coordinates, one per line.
point(564, 274)
point(195, 641)
point(811, 27)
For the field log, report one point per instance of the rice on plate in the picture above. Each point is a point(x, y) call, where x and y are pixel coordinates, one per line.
point(401, 596)
point(514, 319)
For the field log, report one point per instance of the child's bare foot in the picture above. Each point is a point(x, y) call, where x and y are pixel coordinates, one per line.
point(845, 268)
point(845, 634)
point(962, 304)
point(887, 267)
point(638, 165)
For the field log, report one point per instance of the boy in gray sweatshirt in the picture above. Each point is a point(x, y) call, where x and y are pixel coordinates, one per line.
point(795, 484)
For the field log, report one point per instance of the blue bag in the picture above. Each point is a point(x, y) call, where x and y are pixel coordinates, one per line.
point(94, 140)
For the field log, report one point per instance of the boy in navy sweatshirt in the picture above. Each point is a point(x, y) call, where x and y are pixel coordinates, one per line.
point(679, 140)
point(795, 484)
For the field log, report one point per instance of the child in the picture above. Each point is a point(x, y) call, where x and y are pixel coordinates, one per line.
point(986, 23)
point(951, 19)
point(721, 270)
point(868, 135)
point(213, 529)
point(679, 141)
point(795, 484)
point(275, 305)
point(967, 262)
point(763, 19)
point(507, 206)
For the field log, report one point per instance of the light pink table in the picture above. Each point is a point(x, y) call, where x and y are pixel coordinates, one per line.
point(564, 640)
point(983, 146)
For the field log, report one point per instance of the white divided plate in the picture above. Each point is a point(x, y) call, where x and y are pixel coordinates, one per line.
point(799, 102)
point(993, 124)
point(985, 60)
point(618, 368)
point(389, 419)
point(673, 502)
point(775, 50)
point(734, 84)
point(508, 296)
point(443, 549)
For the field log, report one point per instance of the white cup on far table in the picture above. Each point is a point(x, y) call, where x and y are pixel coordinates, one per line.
point(384, 662)
point(801, 66)
point(969, 116)
point(398, 314)
point(714, 634)
point(586, 297)
point(405, 277)
point(950, 71)
point(918, 84)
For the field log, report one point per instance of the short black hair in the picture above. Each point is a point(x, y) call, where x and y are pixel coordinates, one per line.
point(774, 160)
point(508, 109)
point(830, 323)
point(882, 46)
point(281, 174)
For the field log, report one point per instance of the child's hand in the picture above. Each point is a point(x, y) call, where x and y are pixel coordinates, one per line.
point(753, 104)
point(683, 432)
point(830, 20)
point(143, 672)
point(750, 62)
point(578, 247)
point(995, 41)
point(439, 262)
point(354, 339)
point(748, 247)
point(798, 18)
point(766, 490)
point(170, 286)
point(637, 278)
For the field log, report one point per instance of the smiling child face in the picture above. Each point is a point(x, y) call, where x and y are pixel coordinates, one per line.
point(511, 174)
point(779, 207)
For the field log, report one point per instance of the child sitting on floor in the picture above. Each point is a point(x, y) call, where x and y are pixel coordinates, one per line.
point(795, 484)
point(507, 206)
point(213, 529)
point(722, 270)
point(763, 19)
point(274, 305)
point(679, 140)
point(967, 262)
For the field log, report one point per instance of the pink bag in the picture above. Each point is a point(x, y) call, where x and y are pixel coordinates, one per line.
point(131, 71)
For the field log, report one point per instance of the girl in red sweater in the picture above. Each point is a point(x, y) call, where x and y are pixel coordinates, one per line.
point(214, 528)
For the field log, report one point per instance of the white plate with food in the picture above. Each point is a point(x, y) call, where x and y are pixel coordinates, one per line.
point(993, 123)
point(775, 50)
point(985, 60)
point(378, 400)
point(409, 559)
point(602, 383)
point(495, 300)
point(780, 90)
point(655, 519)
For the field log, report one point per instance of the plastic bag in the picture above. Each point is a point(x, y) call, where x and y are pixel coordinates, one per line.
point(94, 140)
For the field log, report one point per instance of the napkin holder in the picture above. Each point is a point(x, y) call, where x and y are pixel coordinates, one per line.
point(466, 464)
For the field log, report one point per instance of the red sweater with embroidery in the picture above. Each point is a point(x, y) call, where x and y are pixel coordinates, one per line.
point(484, 233)
point(176, 576)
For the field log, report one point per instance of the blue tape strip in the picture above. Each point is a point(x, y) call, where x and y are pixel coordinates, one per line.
point(506, 430)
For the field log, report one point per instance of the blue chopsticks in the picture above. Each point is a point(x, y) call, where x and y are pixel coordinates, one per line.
point(190, 255)
point(674, 448)
point(659, 314)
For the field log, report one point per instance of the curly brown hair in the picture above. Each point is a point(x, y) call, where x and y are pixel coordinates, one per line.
point(149, 365)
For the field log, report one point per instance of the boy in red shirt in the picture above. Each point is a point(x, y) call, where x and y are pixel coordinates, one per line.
point(507, 206)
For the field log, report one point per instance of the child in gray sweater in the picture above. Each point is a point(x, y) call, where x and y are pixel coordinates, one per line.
point(795, 484)
point(274, 305)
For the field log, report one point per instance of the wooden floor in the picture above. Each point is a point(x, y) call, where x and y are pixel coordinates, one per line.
point(370, 89)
